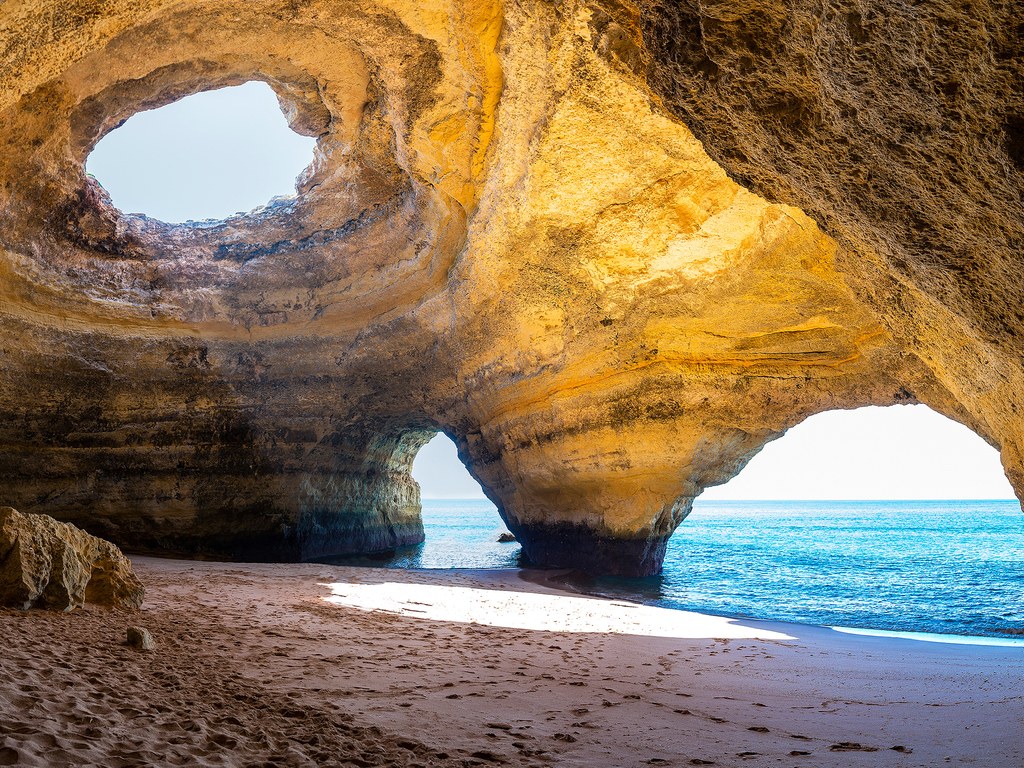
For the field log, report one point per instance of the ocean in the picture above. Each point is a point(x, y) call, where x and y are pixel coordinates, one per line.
point(944, 567)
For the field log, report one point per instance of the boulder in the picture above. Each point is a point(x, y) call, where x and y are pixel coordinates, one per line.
point(48, 564)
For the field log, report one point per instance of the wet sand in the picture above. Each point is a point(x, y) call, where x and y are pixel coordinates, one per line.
point(296, 665)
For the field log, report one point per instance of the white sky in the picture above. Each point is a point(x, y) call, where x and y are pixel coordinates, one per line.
point(206, 156)
point(902, 452)
point(221, 152)
point(440, 473)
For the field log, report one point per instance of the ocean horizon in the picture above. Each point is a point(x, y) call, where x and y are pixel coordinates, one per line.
point(942, 567)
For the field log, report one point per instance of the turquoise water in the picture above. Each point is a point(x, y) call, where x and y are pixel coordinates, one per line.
point(947, 567)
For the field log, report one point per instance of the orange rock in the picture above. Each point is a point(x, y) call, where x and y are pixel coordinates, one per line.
point(510, 234)
point(48, 564)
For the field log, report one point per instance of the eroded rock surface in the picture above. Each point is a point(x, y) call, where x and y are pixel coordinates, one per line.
point(899, 128)
point(48, 564)
point(508, 233)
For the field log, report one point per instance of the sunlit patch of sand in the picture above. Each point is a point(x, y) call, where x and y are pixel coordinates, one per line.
point(539, 612)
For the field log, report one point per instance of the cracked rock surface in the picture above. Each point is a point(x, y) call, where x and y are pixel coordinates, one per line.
point(508, 233)
point(48, 564)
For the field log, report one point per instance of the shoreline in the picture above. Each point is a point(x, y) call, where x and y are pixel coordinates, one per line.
point(256, 665)
point(851, 584)
point(951, 638)
point(557, 579)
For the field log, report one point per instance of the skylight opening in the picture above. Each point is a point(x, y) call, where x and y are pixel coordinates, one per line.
point(211, 155)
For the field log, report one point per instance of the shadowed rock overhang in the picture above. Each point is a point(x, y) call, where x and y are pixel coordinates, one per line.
point(508, 233)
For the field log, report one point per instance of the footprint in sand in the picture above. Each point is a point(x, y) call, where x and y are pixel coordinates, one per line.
point(851, 746)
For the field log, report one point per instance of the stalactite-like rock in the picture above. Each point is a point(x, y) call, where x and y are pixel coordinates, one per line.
point(509, 233)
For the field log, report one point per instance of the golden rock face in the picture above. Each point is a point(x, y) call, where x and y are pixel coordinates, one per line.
point(507, 233)
point(47, 564)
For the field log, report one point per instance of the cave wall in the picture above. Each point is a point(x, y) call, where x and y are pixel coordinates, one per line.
point(898, 127)
point(508, 232)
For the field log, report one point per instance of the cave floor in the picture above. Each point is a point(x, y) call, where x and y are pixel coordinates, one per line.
point(254, 667)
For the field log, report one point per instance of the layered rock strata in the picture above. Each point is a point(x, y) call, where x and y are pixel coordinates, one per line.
point(508, 233)
point(900, 129)
point(47, 564)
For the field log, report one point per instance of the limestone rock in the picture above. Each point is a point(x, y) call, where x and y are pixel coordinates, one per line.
point(900, 129)
point(509, 233)
point(140, 637)
point(48, 564)
point(506, 538)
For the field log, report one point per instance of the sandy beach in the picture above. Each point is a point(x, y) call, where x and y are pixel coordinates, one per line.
point(299, 665)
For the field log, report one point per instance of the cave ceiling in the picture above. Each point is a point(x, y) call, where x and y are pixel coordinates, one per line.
point(611, 248)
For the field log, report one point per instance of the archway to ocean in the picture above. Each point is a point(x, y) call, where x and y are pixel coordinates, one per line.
point(892, 519)
point(906, 452)
point(461, 526)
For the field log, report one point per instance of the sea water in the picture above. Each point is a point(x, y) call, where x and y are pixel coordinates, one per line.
point(946, 567)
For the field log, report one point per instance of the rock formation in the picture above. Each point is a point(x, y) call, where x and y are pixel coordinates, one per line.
point(510, 234)
point(47, 564)
point(900, 129)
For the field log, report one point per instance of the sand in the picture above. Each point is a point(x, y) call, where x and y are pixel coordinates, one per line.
point(283, 665)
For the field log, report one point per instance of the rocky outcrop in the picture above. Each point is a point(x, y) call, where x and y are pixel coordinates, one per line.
point(47, 564)
point(900, 129)
point(508, 233)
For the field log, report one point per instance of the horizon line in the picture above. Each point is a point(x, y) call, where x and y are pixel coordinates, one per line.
point(483, 498)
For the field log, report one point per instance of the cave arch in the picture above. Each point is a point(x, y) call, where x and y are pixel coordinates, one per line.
point(461, 525)
point(372, 501)
point(441, 473)
point(905, 452)
point(828, 510)
point(607, 320)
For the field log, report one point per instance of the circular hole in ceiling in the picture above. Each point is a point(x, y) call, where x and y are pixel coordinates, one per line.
point(208, 156)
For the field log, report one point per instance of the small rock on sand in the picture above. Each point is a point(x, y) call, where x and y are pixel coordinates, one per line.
point(140, 638)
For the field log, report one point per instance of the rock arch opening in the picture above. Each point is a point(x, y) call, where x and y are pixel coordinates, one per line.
point(894, 518)
point(207, 156)
point(461, 526)
point(907, 452)
point(441, 473)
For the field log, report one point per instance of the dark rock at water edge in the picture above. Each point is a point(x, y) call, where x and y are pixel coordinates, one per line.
point(580, 548)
